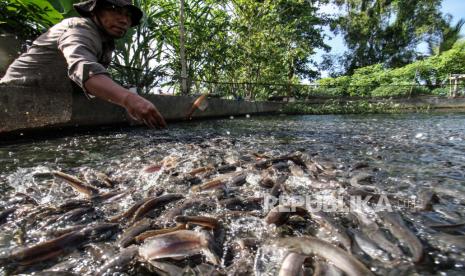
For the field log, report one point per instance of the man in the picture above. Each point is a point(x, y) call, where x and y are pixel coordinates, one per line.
point(84, 45)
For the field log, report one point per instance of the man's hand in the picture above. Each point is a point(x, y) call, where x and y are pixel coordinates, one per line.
point(143, 111)
point(139, 108)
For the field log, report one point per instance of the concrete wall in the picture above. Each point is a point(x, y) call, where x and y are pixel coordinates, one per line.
point(23, 109)
point(435, 103)
point(35, 108)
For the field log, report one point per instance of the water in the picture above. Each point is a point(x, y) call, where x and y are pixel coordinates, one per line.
point(411, 152)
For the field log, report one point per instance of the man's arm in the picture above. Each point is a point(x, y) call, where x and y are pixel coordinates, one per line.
point(139, 108)
point(80, 45)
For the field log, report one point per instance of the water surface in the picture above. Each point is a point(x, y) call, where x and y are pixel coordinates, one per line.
point(410, 152)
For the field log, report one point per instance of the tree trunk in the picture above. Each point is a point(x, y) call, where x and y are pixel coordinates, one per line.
point(184, 90)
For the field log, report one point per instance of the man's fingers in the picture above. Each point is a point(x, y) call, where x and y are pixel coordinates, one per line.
point(158, 118)
point(149, 123)
point(154, 123)
point(148, 114)
point(161, 121)
point(133, 116)
point(144, 121)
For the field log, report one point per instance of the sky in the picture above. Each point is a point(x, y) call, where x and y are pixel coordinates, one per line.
point(454, 7)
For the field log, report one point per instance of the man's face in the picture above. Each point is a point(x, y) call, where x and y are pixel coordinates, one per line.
point(115, 20)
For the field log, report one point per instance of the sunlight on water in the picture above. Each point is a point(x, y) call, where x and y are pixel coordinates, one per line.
point(403, 155)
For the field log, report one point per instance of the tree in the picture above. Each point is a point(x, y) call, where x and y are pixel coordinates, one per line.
point(376, 80)
point(384, 31)
point(155, 57)
point(274, 42)
point(226, 41)
point(446, 37)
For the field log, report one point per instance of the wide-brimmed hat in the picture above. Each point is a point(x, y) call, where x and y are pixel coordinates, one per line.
point(85, 8)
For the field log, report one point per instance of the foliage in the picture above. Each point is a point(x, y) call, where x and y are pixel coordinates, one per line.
point(28, 18)
point(440, 91)
point(391, 91)
point(332, 87)
point(257, 49)
point(361, 106)
point(387, 32)
point(327, 91)
point(274, 43)
point(64, 7)
point(155, 56)
point(399, 91)
point(138, 54)
point(450, 62)
point(240, 41)
point(343, 107)
point(419, 77)
point(446, 37)
point(364, 80)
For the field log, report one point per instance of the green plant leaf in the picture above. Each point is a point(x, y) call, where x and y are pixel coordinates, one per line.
point(62, 6)
point(48, 12)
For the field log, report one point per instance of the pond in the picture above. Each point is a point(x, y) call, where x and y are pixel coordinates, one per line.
point(403, 155)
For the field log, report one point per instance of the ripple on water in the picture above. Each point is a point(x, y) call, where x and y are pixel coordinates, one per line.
point(405, 152)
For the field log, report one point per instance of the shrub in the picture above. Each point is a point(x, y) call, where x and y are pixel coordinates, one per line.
point(365, 79)
point(441, 91)
point(450, 62)
point(400, 91)
point(27, 19)
point(333, 87)
point(377, 81)
point(325, 91)
point(391, 91)
point(421, 90)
